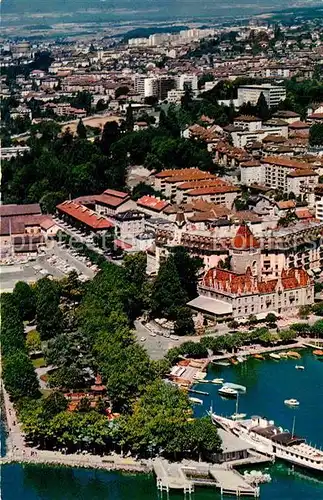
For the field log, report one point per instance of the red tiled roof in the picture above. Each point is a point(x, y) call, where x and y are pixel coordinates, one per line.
point(118, 194)
point(302, 173)
point(15, 210)
point(251, 163)
point(299, 125)
point(110, 201)
point(284, 205)
point(247, 118)
point(283, 161)
point(230, 282)
point(303, 214)
point(316, 116)
point(122, 244)
point(213, 190)
point(152, 203)
point(84, 215)
point(244, 239)
point(172, 172)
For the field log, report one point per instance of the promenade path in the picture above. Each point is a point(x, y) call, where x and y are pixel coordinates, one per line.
point(18, 451)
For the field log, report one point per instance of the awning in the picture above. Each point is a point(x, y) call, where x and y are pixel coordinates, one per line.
point(211, 306)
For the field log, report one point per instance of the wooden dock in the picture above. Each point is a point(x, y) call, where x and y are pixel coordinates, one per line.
point(188, 474)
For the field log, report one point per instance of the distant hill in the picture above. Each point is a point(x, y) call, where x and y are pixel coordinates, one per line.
point(127, 10)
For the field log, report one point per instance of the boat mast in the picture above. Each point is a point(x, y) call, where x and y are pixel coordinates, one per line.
point(237, 403)
point(293, 429)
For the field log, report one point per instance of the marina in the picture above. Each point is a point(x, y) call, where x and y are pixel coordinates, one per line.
point(279, 380)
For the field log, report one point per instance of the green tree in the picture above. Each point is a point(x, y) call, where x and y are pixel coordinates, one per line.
point(167, 292)
point(184, 324)
point(203, 439)
point(317, 329)
point(81, 130)
point(187, 268)
point(110, 135)
point(123, 90)
point(48, 313)
point(53, 404)
point(33, 342)
point(316, 134)
point(25, 299)
point(262, 109)
point(12, 328)
point(129, 123)
point(19, 376)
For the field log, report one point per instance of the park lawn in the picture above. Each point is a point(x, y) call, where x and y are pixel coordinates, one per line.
point(38, 362)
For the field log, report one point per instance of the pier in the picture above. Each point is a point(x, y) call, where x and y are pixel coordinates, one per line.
point(187, 475)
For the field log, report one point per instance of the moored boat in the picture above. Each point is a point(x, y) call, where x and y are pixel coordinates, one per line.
point(283, 355)
point(218, 381)
point(300, 367)
point(197, 401)
point(234, 361)
point(228, 392)
point(274, 355)
point(264, 436)
point(291, 402)
point(236, 387)
point(294, 354)
point(258, 356)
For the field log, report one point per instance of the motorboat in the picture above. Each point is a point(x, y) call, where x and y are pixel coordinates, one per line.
point(264, 436)
point(218, 381)
point(234, 361)
point(236, 387)
point(274, 355)
point(221, 363)
point(258, 356)
point(300, 367)
point(228, 392)
point(318, 352)
point(283, 355)
point(196, 401)
point(241, 359)
point(294, 354)
point(291, 402)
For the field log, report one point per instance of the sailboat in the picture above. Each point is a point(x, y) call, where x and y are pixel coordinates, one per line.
point(236, 415)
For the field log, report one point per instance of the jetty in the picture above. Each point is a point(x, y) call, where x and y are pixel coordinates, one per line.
point(188, 474)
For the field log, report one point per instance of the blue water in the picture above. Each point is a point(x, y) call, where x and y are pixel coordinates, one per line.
point(268, 384)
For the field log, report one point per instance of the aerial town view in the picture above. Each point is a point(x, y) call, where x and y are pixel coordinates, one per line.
point(161, 254)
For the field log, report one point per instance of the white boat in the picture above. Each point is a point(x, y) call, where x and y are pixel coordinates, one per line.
point(291, 402)
point(218, 381)
point(222, 363)
point(197, 401)
point(241, 359)
point(228, 392)
point(300, 367)
point(264, 436)
point(274, 355)
point(236, 387)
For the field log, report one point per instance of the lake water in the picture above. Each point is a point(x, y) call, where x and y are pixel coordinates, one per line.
point(268, 384)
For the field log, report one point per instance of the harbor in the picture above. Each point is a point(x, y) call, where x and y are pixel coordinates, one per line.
point(268, 383)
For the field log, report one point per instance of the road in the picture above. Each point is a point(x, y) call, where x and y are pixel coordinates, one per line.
point(157, 346)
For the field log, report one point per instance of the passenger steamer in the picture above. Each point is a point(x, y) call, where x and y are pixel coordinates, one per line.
point(263, 436)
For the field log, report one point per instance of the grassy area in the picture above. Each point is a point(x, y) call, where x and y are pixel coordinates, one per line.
point(38, 362)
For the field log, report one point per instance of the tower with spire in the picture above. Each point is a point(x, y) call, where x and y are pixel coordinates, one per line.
point(245, 252)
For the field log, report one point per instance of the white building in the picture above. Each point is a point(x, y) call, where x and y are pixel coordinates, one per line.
point(272, 93)
point(187, 81)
